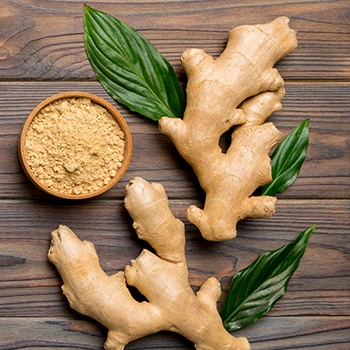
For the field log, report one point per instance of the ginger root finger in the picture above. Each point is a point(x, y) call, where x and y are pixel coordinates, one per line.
point(154, 223)
point(91, 292)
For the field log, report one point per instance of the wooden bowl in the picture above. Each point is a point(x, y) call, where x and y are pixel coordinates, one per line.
point(95, 100)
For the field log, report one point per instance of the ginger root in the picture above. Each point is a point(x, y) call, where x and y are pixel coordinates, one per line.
point(240, 87)
point(163, 279)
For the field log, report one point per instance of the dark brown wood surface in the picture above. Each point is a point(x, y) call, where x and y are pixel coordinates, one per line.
point(42, 53)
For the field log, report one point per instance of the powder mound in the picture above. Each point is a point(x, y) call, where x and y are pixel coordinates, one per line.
point(74, 146)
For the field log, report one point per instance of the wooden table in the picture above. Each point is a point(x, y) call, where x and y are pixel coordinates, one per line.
point(42, 53)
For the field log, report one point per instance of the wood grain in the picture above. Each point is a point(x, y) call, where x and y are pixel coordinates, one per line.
point(324, 174)
point(43, 40)
point(78, 333)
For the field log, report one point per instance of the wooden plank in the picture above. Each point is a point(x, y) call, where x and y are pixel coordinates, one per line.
point(325, 173)
point(44, 41)
point(275, 333)
point(269, 333)
point(319, 287)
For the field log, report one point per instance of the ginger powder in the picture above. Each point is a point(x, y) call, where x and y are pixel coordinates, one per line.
point(74, 146)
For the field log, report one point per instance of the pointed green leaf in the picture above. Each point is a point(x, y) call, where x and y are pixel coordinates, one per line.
point(256, 288)
point(130, 68)
point(287, 159)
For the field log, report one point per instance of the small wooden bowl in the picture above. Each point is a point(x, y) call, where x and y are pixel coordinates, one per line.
point(97, 100)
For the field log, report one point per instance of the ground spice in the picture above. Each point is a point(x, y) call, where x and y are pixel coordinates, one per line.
point(74, 146)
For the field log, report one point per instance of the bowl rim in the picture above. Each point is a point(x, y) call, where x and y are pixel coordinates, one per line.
point(95, 99)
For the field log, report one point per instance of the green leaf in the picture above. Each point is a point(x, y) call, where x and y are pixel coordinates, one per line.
point(130, 68)
point(287, 159)
point(256, 288)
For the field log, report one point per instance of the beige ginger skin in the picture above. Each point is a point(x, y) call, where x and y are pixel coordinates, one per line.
point(240, 87)
point(162, 279)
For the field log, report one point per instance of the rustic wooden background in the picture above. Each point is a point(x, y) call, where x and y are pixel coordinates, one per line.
point(42, 53)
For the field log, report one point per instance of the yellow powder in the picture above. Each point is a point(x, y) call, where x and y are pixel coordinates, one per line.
point(74, 146)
